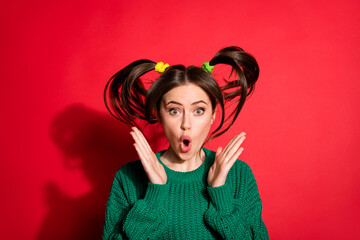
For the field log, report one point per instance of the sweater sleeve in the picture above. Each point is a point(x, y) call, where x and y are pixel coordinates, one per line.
point(143, 219)
point(237, 216)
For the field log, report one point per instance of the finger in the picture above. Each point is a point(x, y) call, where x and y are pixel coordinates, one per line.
point(140, 144)
point(142, 140)
point(235, 156)
point(234, 148)
point(232, 142)
point(141, 156)
point(139, 147)
point(143, 145)
point(146, 165)
point(238, 152)
point(237, 137)
point(137, 140)
point(218, 151)
point(138, 135)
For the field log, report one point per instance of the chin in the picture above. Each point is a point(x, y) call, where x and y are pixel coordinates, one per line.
point(185, 156)
point(188, 155)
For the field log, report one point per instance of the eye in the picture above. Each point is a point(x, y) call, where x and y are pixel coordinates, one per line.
point(174, 111)
point(199, 111)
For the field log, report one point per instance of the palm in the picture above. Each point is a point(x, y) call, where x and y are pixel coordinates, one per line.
point(224, 160)
point(153, 168)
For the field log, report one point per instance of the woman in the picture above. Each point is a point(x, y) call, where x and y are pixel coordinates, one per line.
point(186, 190)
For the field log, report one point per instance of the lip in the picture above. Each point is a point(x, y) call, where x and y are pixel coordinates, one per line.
point(183, 146)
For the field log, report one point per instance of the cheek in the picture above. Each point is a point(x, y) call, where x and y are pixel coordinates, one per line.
point(202, 127)
point(206, 119)
point(169, 127)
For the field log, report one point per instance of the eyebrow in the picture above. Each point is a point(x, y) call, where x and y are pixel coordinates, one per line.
point(194, 103)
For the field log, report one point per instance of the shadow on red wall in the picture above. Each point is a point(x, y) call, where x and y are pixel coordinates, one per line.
point(98, 144)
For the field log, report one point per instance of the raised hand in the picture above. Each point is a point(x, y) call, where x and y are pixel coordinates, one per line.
point(153, 168)
point(224, 160)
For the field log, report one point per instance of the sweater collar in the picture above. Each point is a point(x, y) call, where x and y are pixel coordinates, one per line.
point(196, 175)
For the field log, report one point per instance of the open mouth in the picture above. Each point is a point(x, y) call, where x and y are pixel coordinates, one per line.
point(185, 144)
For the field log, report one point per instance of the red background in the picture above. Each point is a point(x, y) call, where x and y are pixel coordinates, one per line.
point(60, 148)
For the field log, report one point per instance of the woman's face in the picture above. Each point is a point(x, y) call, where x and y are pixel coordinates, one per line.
point(186, 116)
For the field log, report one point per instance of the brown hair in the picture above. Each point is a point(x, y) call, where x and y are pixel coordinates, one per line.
point(127, 99)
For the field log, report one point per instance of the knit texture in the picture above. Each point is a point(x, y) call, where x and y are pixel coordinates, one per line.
point(185, 207)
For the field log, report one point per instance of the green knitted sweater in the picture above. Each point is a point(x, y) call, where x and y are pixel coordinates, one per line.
point(184, 207)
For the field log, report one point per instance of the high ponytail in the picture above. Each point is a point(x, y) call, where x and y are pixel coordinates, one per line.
point(246, 71)
point(125, 95)
point(127, 99)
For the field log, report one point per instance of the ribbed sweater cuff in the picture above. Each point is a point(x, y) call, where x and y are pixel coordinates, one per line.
point(156, 193)
point(221, 198)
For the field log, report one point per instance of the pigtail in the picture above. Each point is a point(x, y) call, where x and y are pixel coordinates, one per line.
point(246, 70)
point(124, 94)
point(127, 99)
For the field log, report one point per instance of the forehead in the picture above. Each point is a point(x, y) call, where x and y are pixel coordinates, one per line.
point(186, 93)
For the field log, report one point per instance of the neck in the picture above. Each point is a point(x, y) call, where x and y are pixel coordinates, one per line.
point(174, 162)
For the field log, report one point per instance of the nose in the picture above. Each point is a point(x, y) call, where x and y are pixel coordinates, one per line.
point(186, 122)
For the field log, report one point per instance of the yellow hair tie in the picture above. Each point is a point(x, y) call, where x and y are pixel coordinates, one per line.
point(161, 67)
